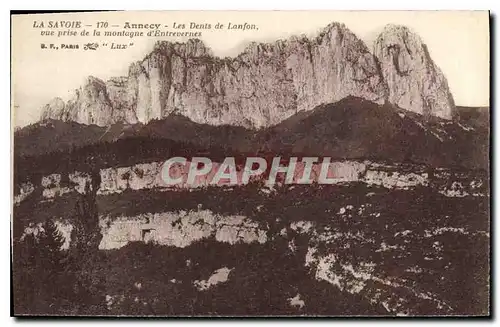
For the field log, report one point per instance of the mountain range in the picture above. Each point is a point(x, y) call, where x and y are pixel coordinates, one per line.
point(266, 83)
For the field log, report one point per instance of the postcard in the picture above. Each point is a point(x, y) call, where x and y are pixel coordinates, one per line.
point(244, 163)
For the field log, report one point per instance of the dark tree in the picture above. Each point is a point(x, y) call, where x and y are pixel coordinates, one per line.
point(50, 243)
point(84, 251)
point(38, 267)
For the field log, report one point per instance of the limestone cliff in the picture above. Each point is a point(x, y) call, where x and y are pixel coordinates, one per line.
point(148, 176)
point(414, 81)
point(266, 83)
point(96, 102)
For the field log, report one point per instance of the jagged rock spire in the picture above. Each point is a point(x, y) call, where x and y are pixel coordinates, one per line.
point(414, 81)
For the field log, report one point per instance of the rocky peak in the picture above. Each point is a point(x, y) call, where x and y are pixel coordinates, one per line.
point(414, 81)
point(193, 48)
point(93, 89)
point(339, 34)
point(53, 109)
point(95, 102)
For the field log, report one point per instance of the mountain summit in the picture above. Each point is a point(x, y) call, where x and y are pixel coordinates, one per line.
point(413, 79)
point(266, 83)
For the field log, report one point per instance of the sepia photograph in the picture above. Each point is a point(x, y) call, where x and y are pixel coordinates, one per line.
point(251, 164)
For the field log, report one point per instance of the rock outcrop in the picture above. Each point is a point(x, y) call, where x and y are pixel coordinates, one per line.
point(413, 79)
point(96, 102)
point(266, 83)
point(148, 176)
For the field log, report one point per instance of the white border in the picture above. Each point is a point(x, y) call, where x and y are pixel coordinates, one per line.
point(5, 193)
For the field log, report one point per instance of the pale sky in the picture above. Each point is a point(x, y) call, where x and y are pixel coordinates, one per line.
point(458, 42)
